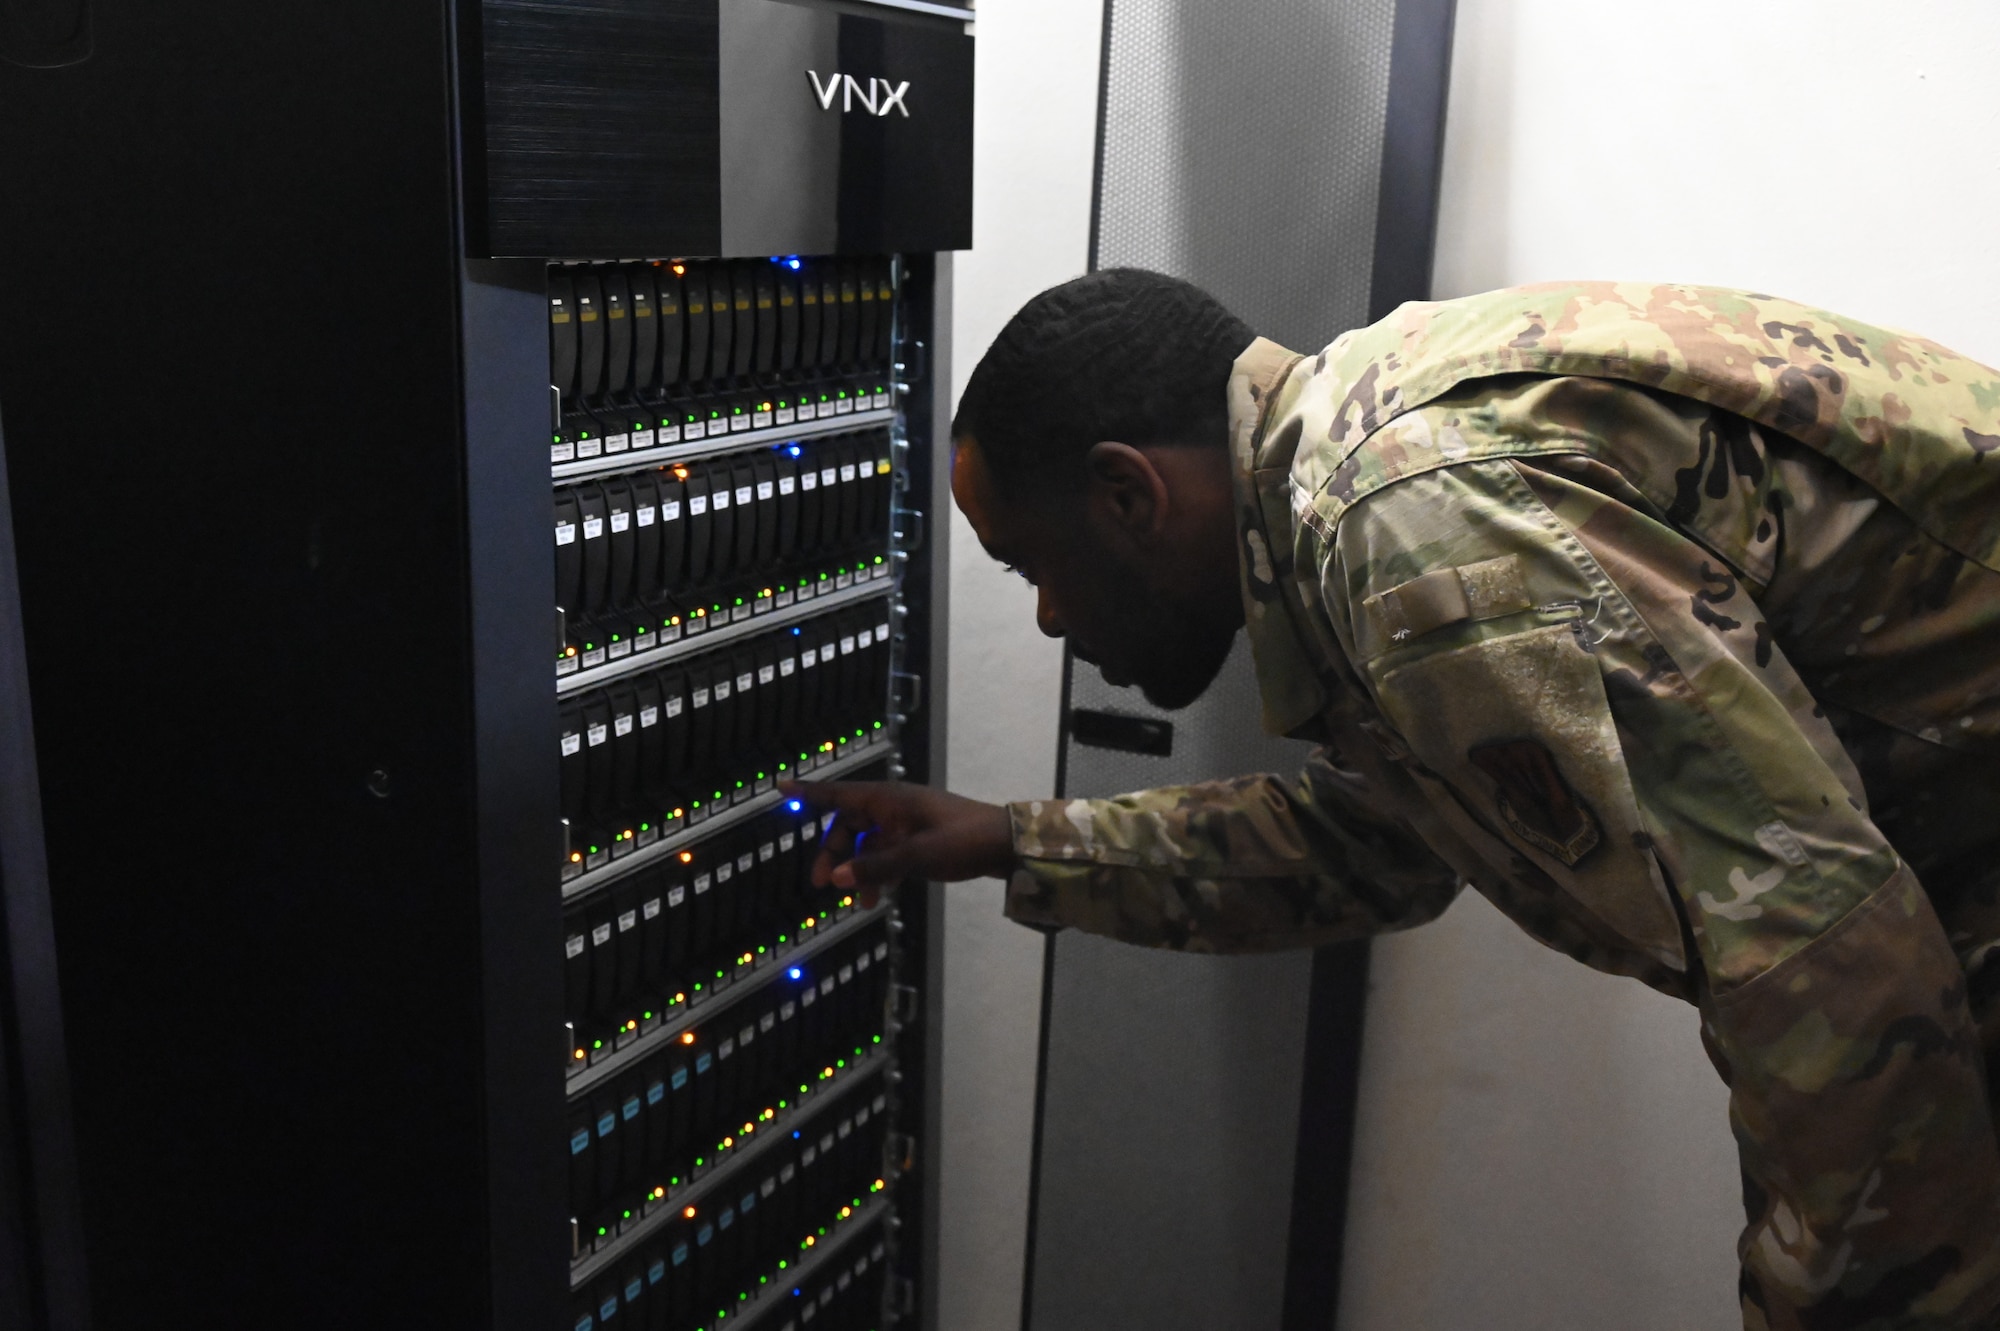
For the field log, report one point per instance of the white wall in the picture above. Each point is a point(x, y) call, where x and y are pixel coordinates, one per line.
point(1541, 1146)
point(1035, 126)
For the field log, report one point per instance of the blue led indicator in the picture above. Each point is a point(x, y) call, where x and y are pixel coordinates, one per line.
point(793, 449)
point(795, 973)
point(794, 806)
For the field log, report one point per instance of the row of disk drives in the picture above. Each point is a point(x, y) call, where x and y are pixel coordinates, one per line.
point(731, 1281)
point(738, 1079)
point(664, 352)
point(666, 545)
point(658, 751)
point(690, 925)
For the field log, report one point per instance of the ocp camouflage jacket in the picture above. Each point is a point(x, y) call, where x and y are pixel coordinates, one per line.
point(1669, 619)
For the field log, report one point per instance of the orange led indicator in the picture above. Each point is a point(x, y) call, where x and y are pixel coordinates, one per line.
point(687, 1037)
point(687, 857)
point(688, 1213)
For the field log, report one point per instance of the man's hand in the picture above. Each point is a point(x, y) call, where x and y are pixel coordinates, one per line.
point(887, 831)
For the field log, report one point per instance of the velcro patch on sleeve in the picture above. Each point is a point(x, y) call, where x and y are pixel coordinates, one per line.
point(1486, 590)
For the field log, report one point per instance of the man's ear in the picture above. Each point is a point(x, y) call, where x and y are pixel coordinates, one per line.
point(1126, 489)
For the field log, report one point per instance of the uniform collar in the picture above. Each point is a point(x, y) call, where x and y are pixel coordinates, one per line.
point(1260, 391)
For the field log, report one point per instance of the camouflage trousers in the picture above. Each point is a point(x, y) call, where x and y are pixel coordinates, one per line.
point(1910, 1239)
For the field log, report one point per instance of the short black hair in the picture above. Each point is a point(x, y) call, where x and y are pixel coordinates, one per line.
point(1123, 354)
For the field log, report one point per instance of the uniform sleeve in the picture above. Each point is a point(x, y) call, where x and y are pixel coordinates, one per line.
point(1599, 707)
point(1252, 864)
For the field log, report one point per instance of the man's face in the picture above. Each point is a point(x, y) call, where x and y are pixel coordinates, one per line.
point(1149, 603)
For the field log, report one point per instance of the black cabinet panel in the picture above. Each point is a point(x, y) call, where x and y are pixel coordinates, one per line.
point(732, 127)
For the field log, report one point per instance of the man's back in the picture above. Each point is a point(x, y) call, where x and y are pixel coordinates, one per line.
point(1868, 555)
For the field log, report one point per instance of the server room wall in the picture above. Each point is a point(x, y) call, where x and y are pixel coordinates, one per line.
point(1034, 126)
point(1540, 1145)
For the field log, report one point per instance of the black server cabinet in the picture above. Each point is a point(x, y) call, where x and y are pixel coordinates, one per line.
point(343, 807)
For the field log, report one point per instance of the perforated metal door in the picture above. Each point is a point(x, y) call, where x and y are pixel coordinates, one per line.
point(1242, 147)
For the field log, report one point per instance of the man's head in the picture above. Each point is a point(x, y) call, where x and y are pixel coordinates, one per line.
point(1093, 458)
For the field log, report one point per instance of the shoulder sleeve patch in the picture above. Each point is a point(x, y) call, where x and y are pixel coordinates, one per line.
point(1486, 590)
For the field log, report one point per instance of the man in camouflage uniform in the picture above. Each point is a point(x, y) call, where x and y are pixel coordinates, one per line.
point(1669, 619)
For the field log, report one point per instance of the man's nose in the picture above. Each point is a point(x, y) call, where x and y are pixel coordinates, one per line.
point(1045, 615)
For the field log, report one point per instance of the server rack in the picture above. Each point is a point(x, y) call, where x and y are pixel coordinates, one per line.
point(412, 931)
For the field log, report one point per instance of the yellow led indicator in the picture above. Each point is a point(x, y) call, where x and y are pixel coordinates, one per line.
point(581, 1054)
